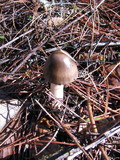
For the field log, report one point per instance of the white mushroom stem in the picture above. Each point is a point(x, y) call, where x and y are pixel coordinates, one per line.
point(57, 90)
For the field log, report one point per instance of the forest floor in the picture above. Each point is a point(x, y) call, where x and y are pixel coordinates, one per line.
point(87, 124)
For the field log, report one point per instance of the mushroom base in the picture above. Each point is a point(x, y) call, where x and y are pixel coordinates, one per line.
point(57, 91)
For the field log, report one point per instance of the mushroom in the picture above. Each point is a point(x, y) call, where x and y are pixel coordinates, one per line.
point(60, 69)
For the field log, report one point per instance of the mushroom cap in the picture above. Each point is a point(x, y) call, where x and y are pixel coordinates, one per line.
point(60, 68)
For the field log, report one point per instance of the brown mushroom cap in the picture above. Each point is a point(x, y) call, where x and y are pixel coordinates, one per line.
point(60, 68)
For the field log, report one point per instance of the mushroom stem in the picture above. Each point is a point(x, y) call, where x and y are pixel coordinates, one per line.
point(57, 91)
